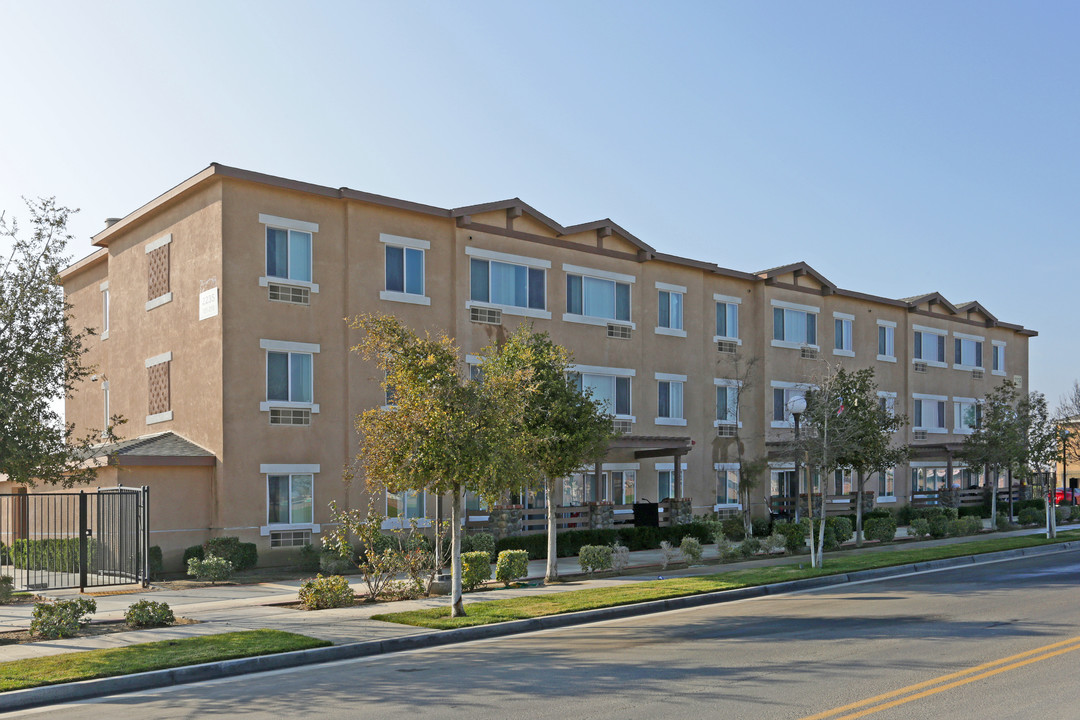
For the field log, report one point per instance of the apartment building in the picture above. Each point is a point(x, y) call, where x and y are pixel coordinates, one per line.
point(220, 306)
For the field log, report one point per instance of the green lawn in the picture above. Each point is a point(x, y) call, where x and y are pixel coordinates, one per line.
point(75, 666)
point(484, 613)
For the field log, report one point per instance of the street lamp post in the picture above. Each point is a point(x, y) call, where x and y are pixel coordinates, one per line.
point(1064, 459)
point(797, 406)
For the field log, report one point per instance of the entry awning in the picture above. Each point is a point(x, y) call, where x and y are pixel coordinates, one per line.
point(650, 446)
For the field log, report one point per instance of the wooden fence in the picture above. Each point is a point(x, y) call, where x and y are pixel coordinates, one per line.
point(966, 497)
point(570, 517)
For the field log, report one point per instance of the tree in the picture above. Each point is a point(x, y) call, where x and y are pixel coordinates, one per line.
point(41, 355)
point(869, 447)
point(742, 374)
point(1067, 417)
point(1039, 448)
point(445, 433)
point(997, 442)
point(563, 427)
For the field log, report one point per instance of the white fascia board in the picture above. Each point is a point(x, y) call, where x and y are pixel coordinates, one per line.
point(602, 274)
point(288, 223)
point(794, 306)
point(287, 346)
point(404, 241)
point(481, 254)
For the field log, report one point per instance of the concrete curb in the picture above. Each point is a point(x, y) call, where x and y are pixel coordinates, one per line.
point(87, 689)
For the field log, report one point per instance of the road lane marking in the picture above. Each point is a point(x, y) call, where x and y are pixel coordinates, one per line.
point(962, 677)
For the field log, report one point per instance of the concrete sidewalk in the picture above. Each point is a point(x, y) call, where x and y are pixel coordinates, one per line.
point(225, 608)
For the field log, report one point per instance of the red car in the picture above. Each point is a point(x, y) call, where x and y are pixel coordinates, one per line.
point(1067, 496)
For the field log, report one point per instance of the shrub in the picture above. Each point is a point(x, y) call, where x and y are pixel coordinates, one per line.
point(939, 525)
point(210, 568)
point(882, 529)
point(476, 569)
point(620, 557)
point(195, 551)
point(750, 546)
point(148, 613)
point(1004, 523)
point(7, 588)
point(733, 528)
point(1036, 503)
point(156, 562)
point(480, 541)
point(1030, 516)
point(61, 618)
point(1060, 514)
point(843, 528)
point(728, 550)
point(1074, 513)
point(242, 555)
point(511, 565)
point(326, 592)
point(691, 550)
point(830, 541)
point(51, 554)
point(308, 559)
point(794, 535)
point(919, 527)
point(762, 527)
point(965, 526)
point(774, 544)
point(332, 563)
point(668, 554)
point(594, 558)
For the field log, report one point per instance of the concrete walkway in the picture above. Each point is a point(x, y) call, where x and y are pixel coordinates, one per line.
point(225, 608)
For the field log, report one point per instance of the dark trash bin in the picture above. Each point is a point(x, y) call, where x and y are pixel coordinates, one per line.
point(646, 514)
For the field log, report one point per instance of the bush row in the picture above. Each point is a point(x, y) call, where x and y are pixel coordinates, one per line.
point(569, 542)
point(242, 555)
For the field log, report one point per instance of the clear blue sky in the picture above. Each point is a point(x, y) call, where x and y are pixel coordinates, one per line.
point(900, 148)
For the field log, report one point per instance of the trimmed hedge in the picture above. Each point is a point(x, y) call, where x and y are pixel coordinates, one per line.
point(570, 542)
point(157, 564)
point(52, 555)
point(243, 556)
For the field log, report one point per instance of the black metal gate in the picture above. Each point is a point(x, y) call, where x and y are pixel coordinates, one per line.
point(75, 539)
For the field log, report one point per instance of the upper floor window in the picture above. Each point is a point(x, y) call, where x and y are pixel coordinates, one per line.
point(842, 331)
point(886, 341)
point(784, 394)
point(887, 402)
point(510, 281)
point(929, 346)
point(288, 249)
point(727, 317)
point(967, 415)
point(404, 266)
point(669, 402)
point(670, 309)
point(610, 389)
point(289, 499)
point(157, 272)
point(998, 367)
point(104, 287)
point(597, 294)
point(727, 483)
point(727, 401)
point(928, 413)
point(289, 381)
point(968, 351)
point(794, 325)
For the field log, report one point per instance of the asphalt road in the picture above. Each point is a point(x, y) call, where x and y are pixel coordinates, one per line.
point(994, 641)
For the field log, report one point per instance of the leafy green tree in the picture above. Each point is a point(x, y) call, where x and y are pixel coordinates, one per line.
point(997, 442)
point(1039, 449)
point(444, 434)
point(41, 355)
point(563, 427)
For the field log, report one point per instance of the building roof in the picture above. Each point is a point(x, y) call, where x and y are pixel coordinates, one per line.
point(165, 448)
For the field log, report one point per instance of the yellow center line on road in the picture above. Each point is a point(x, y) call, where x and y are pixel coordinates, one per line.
point(959, 678)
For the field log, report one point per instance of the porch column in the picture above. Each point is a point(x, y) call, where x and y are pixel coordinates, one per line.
point(677, 491)
point(948, 471)
point(598, 476)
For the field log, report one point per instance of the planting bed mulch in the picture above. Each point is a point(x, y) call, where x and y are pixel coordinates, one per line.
point(18, 637)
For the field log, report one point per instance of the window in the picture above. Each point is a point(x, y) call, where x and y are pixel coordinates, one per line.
point(665, 484)
point(104, 310)
point(158, 389)
point(842, 481)
point(998, 367)
point(405, 505)
point(612, 391)
point(928, 479)
point(783, 395)
point(105, 402)
point(886, 341)
point(886, 483)
point(157, 272)
point(289, 375)
point(669, 401)
point(928, 413)
point(727, 483)
point(929, 346)
point(289, 499)
point(968, 351)
point(404, 265)
point(887, 402)
point(842, 340)
point(288, 254)
point(967, 415)
point(596, 294)
point(794, 325)
point(623, 486)
point(727, 317)
point(502, 283)
point(670, 310)
point(727, 402)
point(782, 482)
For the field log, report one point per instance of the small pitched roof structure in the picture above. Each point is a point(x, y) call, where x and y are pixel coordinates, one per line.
point(797, 269)
point(165, 448)
point(976, 306)
point(934, 298)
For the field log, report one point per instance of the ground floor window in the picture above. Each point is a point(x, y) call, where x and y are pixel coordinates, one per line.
point(967, 478)
point(624, 486)
point(886, 483)
point(406, 505)
point(782, 483)
point(842, 484)
point(665, 484)
point(928, 479)
point(289, 499)
point(727, 486)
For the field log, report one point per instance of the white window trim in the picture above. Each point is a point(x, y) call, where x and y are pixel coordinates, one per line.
point(600, 370)
point(931, 429)
point(924, 396)
point(288, 469)
point(265, 530)
point(158, 301)
point(781, 466)
point(965, 336)
point(784, 385)
point(931, 363)
point(844, 353)
point(668, 287)
point(669, 377)
point(403, 241)
point(957, 428)
point(264, 281)
point(672, 378)
point(159, 243)
point(158, 359)
point(887, 498)
point(928, 329)
point(887, 358)
point(288, 346)
point(719, 338)
point(671, 422)
point(593, 320)
point(511, 309)
point(481, 254)
point(265, 406)
point(599, 274)
point(887, 323)
point(105, 302)
point(993, 343)
point(619, 466)
point(666, 466)
point(843, 316)
point(159, 417)
point(288, 223)
point(727, 299)
point(410, 298)
point(724, 382)
point(104, 285)
point(670, 332)
point(795, 306)
point(794, 345)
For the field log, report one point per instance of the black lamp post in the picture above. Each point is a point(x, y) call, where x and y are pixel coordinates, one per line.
point(797, 406)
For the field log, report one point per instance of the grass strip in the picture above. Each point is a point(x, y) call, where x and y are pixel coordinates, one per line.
point(75, 666)
point(493, 611)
